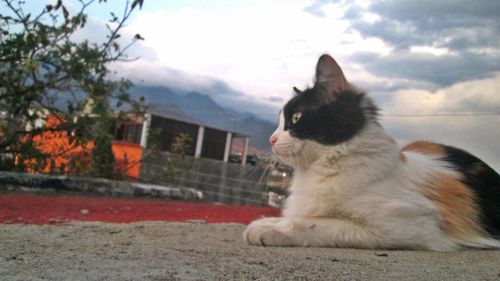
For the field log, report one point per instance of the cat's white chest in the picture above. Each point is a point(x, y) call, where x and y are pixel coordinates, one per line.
point(314, 196)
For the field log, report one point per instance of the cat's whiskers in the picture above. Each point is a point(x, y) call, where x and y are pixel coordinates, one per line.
point(271, 160)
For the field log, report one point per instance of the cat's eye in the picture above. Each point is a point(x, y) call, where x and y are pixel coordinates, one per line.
point(296, 116)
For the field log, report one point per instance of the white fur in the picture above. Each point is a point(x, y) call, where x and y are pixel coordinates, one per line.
point(357, 194)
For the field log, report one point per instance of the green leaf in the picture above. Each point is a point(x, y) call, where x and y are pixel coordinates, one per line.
point(116, 47)
point(137, 2)
point(65, 12)
point(114, 18)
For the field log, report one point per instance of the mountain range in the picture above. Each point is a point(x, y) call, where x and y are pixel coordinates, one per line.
point(203, 109)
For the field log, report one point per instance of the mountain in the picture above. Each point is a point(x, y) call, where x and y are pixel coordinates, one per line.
point(202, 108)
point(259, 130)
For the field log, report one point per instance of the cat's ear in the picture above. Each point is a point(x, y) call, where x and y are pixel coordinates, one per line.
point(297, 91)
point(329, 75)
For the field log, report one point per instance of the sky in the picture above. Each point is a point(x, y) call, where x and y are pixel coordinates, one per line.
point(433, 67)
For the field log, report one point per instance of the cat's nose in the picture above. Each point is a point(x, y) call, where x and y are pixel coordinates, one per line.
point(273, 139)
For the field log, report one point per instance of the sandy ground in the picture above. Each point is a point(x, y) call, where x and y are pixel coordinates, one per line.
point(196, 251)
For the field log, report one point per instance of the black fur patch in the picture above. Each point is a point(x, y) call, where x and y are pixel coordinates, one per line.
point(325, 121)
point(485, 183)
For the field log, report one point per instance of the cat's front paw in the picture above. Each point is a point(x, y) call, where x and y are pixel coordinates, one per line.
point(269, 232)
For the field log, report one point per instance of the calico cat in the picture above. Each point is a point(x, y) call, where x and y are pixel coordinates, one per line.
point(353, 186)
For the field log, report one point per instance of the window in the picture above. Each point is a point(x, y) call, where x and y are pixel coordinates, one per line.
point(129, 132)
point(214, 144)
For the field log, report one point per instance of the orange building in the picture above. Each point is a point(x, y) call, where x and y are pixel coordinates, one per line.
point(74, 158)
point(67, 157)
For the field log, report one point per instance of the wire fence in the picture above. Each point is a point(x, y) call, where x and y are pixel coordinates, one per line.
point(221, 182)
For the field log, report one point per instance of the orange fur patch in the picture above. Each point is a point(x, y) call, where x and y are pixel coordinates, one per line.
point(425, 147)
point(402, 157)
point(457, 206)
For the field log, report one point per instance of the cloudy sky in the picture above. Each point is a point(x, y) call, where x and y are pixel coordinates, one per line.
point(432, 66)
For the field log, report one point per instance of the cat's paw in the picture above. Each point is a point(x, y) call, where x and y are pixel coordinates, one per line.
point(269, 232)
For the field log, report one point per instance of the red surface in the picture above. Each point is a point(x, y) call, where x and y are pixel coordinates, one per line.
point(36, 209)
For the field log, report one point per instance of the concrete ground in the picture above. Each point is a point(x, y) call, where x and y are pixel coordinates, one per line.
point(197, 251)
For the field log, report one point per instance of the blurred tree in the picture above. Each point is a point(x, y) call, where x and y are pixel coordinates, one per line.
point(45, 72)
point(181, 144)
point(176, 163)
point(103, 161)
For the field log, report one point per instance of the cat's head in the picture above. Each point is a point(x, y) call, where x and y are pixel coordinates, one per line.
point(319, 118)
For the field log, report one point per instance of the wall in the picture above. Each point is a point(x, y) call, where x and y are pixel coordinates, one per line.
point(104, 187)
point(127, 158)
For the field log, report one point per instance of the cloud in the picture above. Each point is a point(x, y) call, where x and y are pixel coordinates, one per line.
point(316, 8)
point(149, 70)
point(444, 70)
point(150, 73)
point(438, 14)
point(467, 97)
point(275, 99)
point(438, 42)
point(247, 46)
point(95, 31)
point(456, 25)
point(476, 133)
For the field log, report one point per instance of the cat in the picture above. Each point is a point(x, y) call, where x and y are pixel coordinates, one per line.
point(353, 186)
